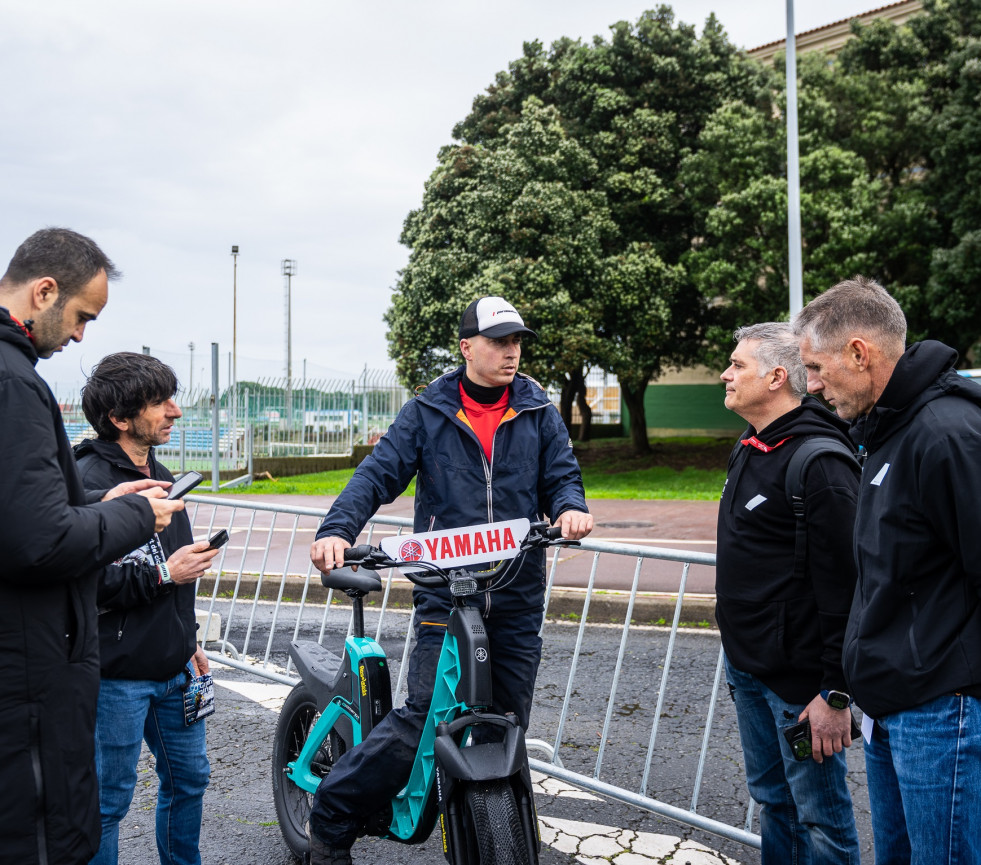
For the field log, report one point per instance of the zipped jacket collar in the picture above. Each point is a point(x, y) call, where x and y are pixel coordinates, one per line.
point(443, 393)
point(924, 373)
point(12, 332)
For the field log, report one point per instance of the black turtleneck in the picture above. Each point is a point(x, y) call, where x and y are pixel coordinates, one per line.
point(481, 394)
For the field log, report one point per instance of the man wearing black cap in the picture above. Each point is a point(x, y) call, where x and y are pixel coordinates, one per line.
point(484, 444)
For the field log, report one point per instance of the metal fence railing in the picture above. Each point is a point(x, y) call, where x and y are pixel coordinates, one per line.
point(266, 593)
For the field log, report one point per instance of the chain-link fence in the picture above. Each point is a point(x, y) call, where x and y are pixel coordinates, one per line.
point(276, 417)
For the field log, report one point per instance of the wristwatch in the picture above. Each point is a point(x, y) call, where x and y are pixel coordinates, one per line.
point(165, 577)
point(837, 699)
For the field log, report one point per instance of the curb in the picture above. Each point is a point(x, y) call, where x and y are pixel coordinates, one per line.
point(605, 607)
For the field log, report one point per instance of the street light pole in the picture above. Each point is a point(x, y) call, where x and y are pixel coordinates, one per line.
point(795, 265)
point(289, 270)
point(190, 381)
point(234, 381)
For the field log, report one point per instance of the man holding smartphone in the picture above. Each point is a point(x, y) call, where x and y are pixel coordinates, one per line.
point(147, 625)
point(784, 583)
point(52, 538)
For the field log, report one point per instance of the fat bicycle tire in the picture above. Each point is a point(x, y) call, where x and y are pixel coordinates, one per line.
point(296, 720)
point(495, 825)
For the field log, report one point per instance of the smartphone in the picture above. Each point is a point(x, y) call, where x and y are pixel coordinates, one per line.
point(218, 539)
point(184, 484)
point(799, 739)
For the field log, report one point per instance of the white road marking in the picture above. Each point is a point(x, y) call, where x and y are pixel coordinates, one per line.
point(590, 843)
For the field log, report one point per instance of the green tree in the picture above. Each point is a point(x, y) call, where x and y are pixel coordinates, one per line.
point(565, 195)
point(890, 143)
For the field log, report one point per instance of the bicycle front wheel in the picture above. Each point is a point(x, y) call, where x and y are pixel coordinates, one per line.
point(296, 720)
point(495, 827)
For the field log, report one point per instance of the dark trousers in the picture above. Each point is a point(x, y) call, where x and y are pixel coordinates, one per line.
point(377, 769)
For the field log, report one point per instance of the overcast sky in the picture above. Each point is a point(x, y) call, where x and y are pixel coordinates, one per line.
point(301, 129)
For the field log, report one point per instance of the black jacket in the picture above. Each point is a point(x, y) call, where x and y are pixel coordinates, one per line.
point(786, 631)
point(51, 543)
point(914, 633)
point(146, 630)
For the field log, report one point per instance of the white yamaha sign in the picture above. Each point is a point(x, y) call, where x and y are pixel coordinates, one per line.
point(472, 545)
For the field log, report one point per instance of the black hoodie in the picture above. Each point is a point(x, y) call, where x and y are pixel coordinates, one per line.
point(784, 630)
point(914, 633)
point(146, 629)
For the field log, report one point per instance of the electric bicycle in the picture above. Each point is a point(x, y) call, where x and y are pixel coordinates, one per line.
point(481, 794)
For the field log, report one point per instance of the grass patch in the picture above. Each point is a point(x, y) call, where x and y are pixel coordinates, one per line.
point(682, 468)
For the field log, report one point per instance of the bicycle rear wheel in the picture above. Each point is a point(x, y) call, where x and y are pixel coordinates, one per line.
point(494, 824)
point(296, 720)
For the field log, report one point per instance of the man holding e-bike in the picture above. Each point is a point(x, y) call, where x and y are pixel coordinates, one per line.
point(484, 443)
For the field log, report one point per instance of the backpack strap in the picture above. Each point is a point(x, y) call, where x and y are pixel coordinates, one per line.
point(800, 462)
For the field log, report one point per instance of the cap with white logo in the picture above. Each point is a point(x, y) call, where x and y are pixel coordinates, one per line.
point(492, 317)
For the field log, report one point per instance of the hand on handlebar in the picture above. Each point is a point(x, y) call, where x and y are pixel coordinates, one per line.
point(575, 525)
point(328, 553)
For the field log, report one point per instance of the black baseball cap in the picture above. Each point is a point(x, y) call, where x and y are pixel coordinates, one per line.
point(492, 317)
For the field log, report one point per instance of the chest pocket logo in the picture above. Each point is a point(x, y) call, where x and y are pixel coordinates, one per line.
point(880, 477)
point(755, 502)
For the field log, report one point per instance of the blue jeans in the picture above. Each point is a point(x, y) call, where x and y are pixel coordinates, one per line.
point(924, 773)
point(368, 776)
point(129, 712)
point(806, 815)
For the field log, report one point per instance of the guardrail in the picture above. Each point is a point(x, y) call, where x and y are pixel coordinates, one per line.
point(266, 591)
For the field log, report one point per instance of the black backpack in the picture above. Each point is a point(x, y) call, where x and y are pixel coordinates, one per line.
point(810, 449)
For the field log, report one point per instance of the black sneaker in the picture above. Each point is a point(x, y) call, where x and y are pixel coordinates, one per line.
point(321, 854)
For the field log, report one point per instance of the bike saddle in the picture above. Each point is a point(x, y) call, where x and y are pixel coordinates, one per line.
point(347, 579)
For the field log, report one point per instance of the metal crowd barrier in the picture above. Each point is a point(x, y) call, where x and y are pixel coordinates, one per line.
point(265, 589)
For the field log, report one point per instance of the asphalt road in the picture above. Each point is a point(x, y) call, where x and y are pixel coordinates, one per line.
point(240, 823)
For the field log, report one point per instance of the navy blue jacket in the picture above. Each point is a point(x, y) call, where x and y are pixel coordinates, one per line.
point(146, 630)
point(532, 473)
point(914, 632)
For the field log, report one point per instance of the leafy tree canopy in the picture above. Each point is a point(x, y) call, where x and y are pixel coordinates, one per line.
point(564, 194)
point(890, 142)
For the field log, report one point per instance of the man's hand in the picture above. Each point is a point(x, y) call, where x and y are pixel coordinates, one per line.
point(125, 489)
point(575, 525)
point(163, 508)
point(328, 553)
point(831, 729)
point(190, 562)
point(199, 662)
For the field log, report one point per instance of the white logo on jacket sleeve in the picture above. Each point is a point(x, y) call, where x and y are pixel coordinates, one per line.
point(879, 478)
point(755, 502)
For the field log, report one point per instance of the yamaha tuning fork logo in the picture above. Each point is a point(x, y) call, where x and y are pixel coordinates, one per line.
point(410, 551)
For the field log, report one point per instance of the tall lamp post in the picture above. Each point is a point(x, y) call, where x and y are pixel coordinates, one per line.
point(289, 271)
point(234, 381)
point(795, 264)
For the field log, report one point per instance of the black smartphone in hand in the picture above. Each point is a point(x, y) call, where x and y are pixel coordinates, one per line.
point(799, 739)
point(184, 484)
point(218, 539)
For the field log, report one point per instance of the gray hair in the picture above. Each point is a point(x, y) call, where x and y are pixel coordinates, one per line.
point(855, 307)
point(777, 347)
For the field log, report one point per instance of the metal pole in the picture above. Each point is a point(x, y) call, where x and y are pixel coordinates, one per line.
point(215, 427)
point(234, 375)
point(289, 268)
point(795, 266)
